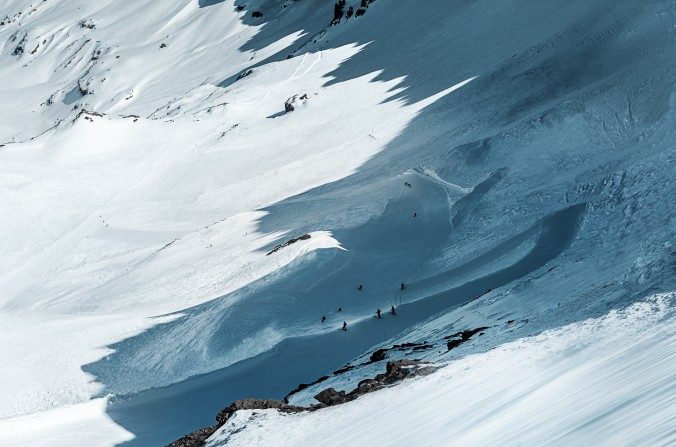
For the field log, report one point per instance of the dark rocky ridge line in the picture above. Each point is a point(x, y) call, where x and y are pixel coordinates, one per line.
point(395, 372)
point(289, 242)
point(381, 354)
point(454, 341)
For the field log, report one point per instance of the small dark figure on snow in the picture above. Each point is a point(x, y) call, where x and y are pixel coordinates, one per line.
point(323, 319)
point(340, 309)
point(378, 313)
point(393, 311)
point(415, 214)
point(360, 288)
point(344, 328)
point(402, 287)
point(407, 184)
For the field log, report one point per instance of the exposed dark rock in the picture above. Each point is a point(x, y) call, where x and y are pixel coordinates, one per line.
point(454, 344)
point(87, 115)
point(303, 386)
point(196, 438)
point(257, 14)
point(244, 74)
point(291, 103)
point(406, 345)
point(464, 336)
point(255, 404)
point(378, 355)
point(330, 396)
point(87, 23)
point(422, 347)
point(344, 369)
point(338, 11)
point(289, 242)
point(394, 372)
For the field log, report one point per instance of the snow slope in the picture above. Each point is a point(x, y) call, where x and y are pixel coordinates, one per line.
point(147, 169)
point(589, 383)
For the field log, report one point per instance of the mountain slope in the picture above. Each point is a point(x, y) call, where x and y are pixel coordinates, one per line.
point(521, 153)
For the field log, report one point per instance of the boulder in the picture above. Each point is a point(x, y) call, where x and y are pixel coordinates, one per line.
point(294, 101)
point(378, 355)
point(330, 396)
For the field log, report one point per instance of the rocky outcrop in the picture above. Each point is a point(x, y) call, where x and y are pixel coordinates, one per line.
point(294, 101)
point(303, 386)
point(394, 372)
point(376, 356)
point(289, 242)
point(199, 437)
point(255, 404)
point(196, 438)
point(330, 397)
point(454, 341)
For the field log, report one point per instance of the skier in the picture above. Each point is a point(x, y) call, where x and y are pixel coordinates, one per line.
point(378, 313)
point(402, 287)
point(323, 318)
point(360, 288)
point(415, 214)
point(344, 328)
point(340, 309)
point(393, 311)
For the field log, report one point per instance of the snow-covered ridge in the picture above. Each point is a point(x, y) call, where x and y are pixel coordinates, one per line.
point(507, 161)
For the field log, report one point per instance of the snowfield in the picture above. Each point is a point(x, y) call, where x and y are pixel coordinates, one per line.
point(589, 383)
point(172, 233)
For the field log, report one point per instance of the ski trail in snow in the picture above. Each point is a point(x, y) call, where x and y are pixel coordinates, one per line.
point(429, 174)
point(295, 75)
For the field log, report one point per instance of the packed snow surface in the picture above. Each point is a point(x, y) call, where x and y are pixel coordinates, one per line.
point(172, 233)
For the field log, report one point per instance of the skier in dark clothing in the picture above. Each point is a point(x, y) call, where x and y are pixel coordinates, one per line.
point(340, 309)
point(402, 287)
point(415, 214)
point(323, 318)
point(393, 311)
point(344, 328)
point(360, 288)
point(378, 313)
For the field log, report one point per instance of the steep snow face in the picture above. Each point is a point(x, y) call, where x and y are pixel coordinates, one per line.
point(518, 152)
point(604, 381)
